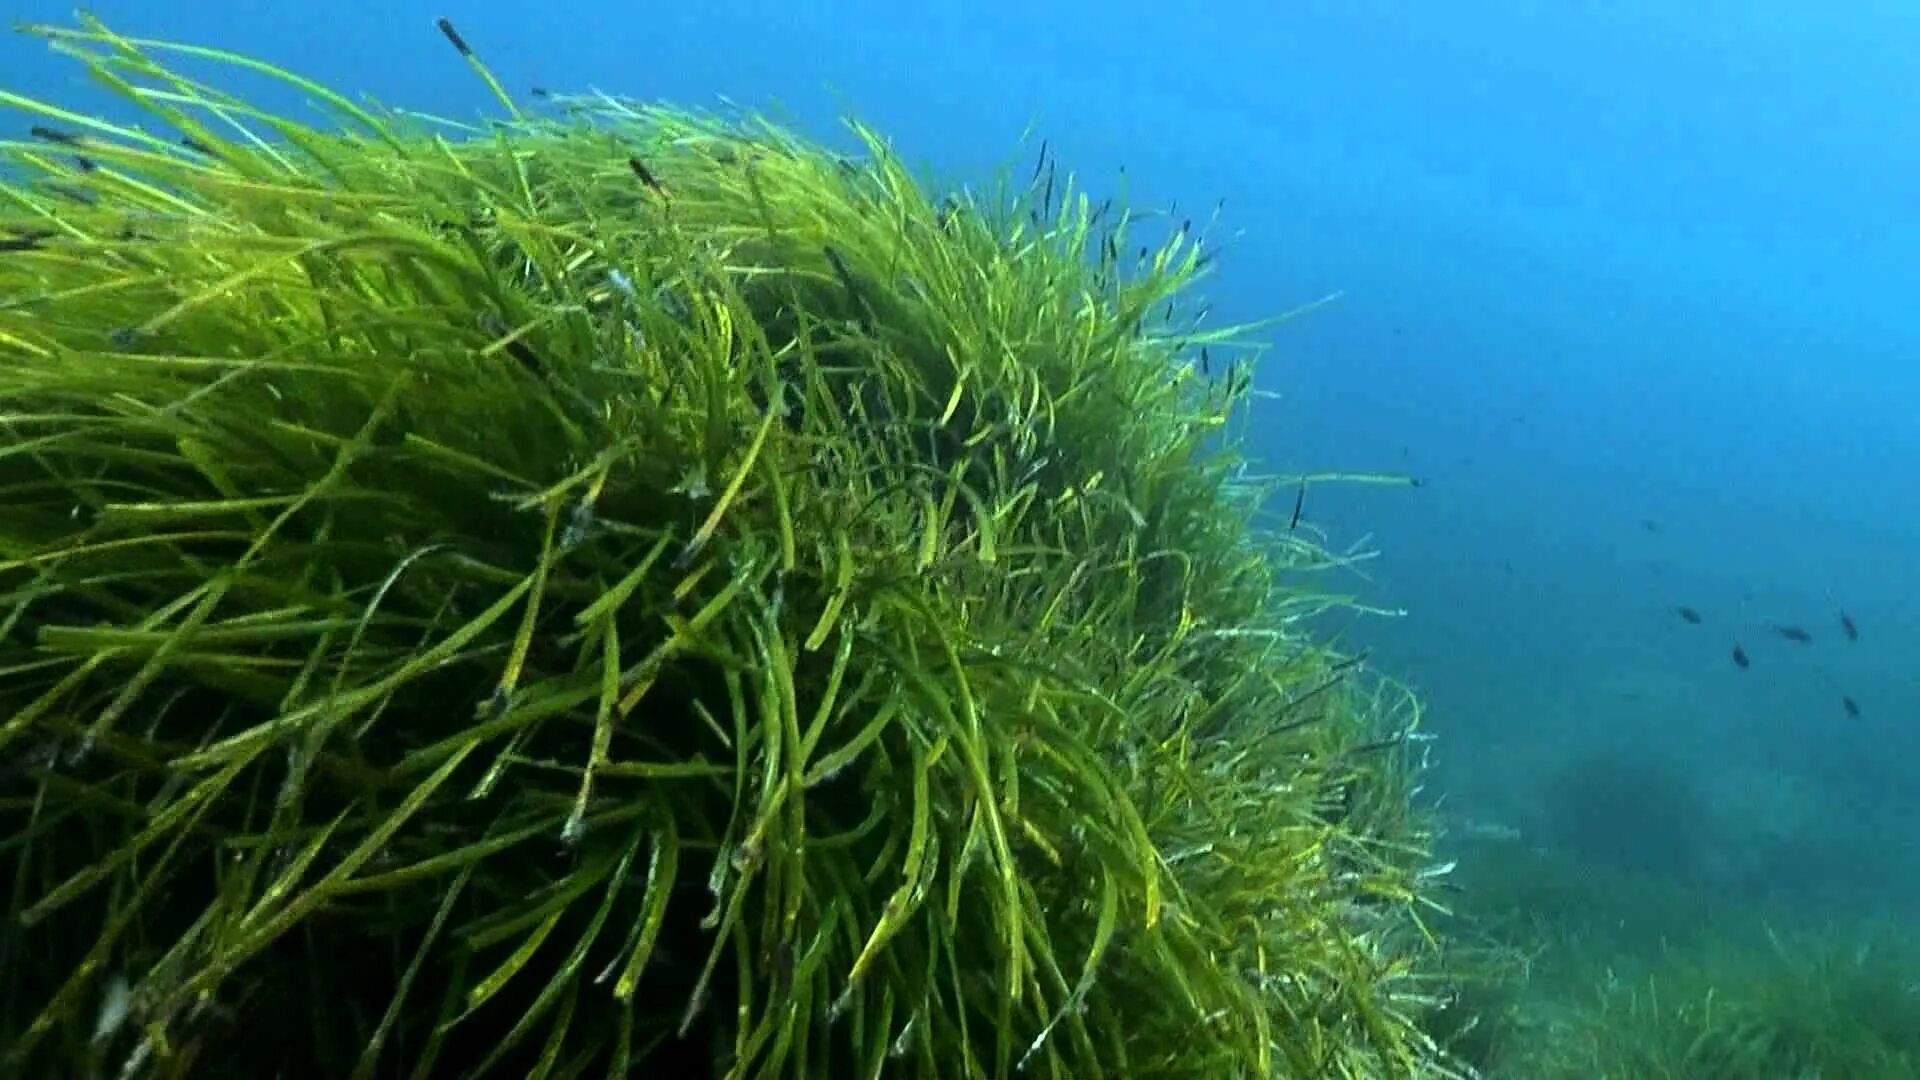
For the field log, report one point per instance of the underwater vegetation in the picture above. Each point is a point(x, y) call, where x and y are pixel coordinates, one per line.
point(621, 588)
point(1569, 972)
point(1799, 1008)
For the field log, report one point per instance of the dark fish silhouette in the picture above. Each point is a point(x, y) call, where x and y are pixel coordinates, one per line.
point(645, 174)
point(1688, 614)
point(1794, 634)
point(1847, 626)
point(1853, 708)
point(1740, 657)
point(24, 239)
point(54, 135)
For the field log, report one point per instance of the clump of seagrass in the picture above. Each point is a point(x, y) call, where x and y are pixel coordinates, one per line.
point(627, 588)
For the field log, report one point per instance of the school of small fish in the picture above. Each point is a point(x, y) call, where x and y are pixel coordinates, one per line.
point(1790, 632)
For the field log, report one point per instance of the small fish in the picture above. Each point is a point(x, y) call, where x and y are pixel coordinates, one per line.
point(24, 240)
point(75, 194)
point(1740, 657)
point(64, 138)
point(1847, 626)
point(114, 1009)
point(847, 280)
point(54, 135)
point(1852, 707)
point(541, 92)
point(1795, 634)
point(515, 347)
point(1299, 504)
point(196, 146)
point(1688, 614)
point(645, 174)
point(579, 525)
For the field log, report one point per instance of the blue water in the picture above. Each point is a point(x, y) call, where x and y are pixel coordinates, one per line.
point(1600, 264)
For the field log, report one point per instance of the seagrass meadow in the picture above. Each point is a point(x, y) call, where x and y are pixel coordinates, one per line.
point(614, 588)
